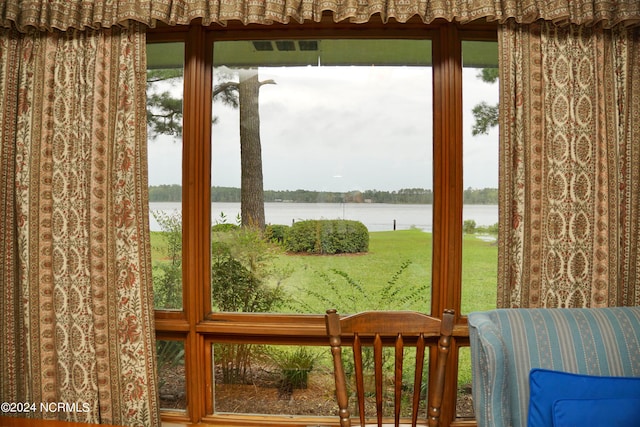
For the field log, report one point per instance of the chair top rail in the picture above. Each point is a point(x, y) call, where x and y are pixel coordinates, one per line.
point(390, 323)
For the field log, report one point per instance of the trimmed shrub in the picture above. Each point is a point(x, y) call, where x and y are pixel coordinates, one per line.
point(328, 237)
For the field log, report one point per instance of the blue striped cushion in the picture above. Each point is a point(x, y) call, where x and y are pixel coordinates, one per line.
point(507, 343)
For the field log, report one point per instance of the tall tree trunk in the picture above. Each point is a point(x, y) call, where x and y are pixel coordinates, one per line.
point(252, 190)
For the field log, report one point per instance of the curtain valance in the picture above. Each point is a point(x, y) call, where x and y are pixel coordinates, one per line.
point(80, 14)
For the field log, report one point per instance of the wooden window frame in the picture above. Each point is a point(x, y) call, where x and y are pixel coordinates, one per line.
point(194, 324)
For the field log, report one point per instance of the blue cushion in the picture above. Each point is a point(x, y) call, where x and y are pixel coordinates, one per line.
point(546, 387)
point(614, 412)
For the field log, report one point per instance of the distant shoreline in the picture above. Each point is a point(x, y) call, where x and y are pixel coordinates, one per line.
point(419, 196)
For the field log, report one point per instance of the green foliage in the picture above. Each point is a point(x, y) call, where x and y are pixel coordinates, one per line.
point(164, 112)
point(165, 193)
point(276, 233)
point(347, 295)
point(469, 226)
point(241, 270)
point(301, 358)
point(235, 361)
point(223, 228)
point(225, 194)
point(404, 195)
point(411, 196)
point(480, 196)
point(490, 229)
point(235, 288)
point(167, 272)
point(222, 219)
point(328, 237)
point(486, 117)
point(489, 75)
point(294, 366)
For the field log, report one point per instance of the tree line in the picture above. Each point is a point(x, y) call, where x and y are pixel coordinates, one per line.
point(472, 196)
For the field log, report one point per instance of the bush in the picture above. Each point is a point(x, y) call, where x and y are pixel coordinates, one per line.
point(234, 288)
point(242, 280)
point(469, 226)
point(276, 233)
point(294, 367)
point(328, 237)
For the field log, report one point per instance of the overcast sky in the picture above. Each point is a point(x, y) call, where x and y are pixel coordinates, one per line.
point(342, 129)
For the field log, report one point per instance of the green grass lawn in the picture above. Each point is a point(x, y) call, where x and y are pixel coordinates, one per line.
point(356, 282)
point(479, 274)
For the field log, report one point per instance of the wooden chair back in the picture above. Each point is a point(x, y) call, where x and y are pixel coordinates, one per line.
point(389, 328)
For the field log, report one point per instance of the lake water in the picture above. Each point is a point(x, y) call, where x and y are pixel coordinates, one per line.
point(376, 216)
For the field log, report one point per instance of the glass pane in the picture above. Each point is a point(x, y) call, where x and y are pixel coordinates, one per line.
point(171, 375)
point(333, 131)
point(480, 165)
point(164, 123)
point(464, 404)
point(298, 380)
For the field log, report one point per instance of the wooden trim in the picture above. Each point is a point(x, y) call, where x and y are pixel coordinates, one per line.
point(278, 328)
point(172, 325)
point(241, 420)
point(447, 222)
point(196, 210)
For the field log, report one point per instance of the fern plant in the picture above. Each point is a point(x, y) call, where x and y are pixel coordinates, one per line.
point(348, 295)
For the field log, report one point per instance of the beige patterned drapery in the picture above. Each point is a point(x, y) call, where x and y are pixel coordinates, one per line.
point(64, 14)
point(77, 316)
point(570, 166)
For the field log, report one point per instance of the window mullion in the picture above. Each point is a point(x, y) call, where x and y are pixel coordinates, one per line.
point(196, 210)
point(447, 215)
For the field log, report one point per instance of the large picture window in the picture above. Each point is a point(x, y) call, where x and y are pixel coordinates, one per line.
point(292, 175)
point(306, 130)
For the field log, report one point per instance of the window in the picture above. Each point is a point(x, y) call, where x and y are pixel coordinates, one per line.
point(359, 126)
point(343, 129)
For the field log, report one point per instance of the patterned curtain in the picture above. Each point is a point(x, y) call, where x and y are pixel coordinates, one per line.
point(77, 319)
point(570, 166)
point(64, 14)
